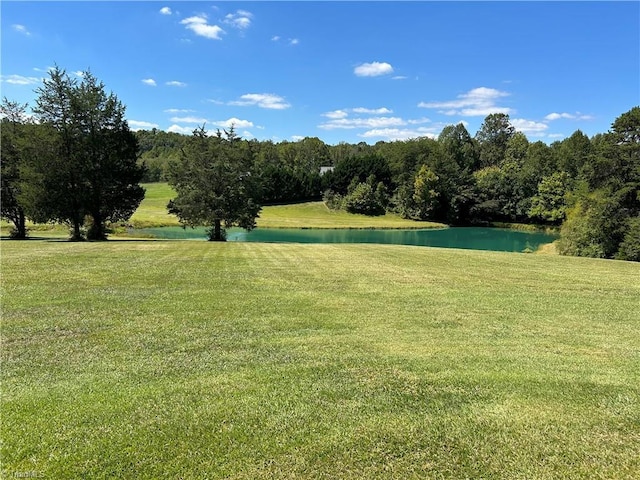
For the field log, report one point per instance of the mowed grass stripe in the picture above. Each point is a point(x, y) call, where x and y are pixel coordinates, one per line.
point(149, 359)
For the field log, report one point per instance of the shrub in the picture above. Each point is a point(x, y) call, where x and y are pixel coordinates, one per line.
point(363, 200)
point(333, 200)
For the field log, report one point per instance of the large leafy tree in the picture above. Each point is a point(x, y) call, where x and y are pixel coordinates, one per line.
point(215, 184)
point(94, 170)
point(573, 153)
point(12, 155)
point(457, 143)
point(425, 193)
point(493, 137)
point(549, 203)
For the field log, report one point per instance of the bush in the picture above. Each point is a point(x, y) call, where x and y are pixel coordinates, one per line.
point(579, 235)
point(333, 200)
point(363, 200)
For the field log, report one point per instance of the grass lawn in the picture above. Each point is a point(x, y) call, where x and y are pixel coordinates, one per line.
point(153, 213)
point(152, 359)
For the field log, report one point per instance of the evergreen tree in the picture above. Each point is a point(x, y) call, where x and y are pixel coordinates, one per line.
point(215, 184)
point(12, 156)
point(93, 171)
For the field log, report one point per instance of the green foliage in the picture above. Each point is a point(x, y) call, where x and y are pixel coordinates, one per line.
point(357, 169)
point(157, 149)
point(215, 184)
point(493, 138)
point(574, 153)
point(549, 204)
point(492, 188)
point(517, 149)
point(596, 225)
point(13, 155)
point(630, 247)
point(580, 235)
point(498, 176)
point(363, 199)
point(88, 166)
point(459, 145)
point(333, 200)
point(425, 195)
point(603, 222)
point(282, 184)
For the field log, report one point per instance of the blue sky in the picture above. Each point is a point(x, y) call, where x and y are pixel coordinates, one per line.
point(340, 71)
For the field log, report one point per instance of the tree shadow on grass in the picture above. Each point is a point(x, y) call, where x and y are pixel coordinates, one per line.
point(4, 238)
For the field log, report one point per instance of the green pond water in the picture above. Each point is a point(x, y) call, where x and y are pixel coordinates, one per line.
point(459, 237)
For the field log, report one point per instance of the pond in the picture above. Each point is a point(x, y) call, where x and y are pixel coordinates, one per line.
point(476, 238)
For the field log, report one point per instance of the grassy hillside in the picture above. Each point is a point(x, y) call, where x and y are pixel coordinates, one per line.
point(153, 212)
point(134, 359)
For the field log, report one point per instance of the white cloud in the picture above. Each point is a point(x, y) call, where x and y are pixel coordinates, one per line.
point(241, 19)
point(248, 134)
point(165, 11)
point(418, 121)
point(236, 122)
point(373, 122)
point(149, 81)
point(198, 25)
point(290, 41)
point(556, 135)
point(297, 138)
point(343, 113)
point(373, 111)
point(569, 116)
point(177, 110)
point(188, 120)
point(373, 69)
point(476, 102)
point(175, 83)
point(21, 29)
point(20, 80)
point(139, 125)
point(556, 116)
point(529, 126)
point(180, 129)
point(336, 114)
point(79, 73)
point(262, 100)
point(399, 77)
point(399, 134)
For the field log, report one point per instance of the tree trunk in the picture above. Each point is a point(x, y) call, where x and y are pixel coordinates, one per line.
point(97, 230)
point(20, 226)
point(77, 233)
point(217, 231)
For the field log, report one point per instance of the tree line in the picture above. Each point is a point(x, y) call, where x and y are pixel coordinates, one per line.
point(77, 162)
point(588, 188)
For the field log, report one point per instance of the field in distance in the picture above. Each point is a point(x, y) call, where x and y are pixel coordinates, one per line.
point(153, 213)
point(146, 359)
